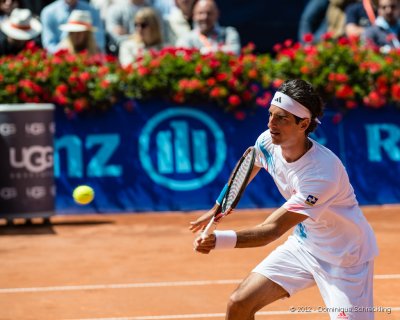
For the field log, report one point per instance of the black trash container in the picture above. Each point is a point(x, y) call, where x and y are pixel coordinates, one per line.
point(27, 188)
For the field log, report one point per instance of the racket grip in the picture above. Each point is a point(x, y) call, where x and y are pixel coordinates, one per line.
point(205, 231)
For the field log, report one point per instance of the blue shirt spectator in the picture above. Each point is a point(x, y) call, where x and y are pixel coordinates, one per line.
point(313, 19)
point(57, 13)
point(356, 19)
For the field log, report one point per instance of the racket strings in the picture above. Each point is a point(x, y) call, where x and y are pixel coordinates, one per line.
point(237, 183)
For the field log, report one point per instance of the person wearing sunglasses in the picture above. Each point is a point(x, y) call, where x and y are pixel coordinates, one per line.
point(147, 35)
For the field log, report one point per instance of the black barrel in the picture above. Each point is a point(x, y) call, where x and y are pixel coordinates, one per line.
point(27, 187)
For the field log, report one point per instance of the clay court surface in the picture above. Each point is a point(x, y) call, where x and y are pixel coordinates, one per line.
point(142, 266)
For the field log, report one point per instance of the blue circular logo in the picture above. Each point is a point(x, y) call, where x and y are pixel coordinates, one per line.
point(175, 148)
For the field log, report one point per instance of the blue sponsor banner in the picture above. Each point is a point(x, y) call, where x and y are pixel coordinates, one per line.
point(161, 157)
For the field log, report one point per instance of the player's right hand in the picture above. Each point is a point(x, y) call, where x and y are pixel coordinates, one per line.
point(203, 220)
point(204, 244)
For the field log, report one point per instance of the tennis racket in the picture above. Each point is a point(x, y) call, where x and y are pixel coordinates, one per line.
point(236, 185)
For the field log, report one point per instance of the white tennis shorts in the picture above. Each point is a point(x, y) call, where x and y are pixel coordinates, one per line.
point(346, 291)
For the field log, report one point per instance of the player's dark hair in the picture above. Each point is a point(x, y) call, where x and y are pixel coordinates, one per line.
point(304, 93)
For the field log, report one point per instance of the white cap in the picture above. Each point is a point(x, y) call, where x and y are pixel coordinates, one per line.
point(21, 25)
point(78, 21)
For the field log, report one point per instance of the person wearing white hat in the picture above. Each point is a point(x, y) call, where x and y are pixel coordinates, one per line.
point(80, 33)
point(17, 30)
point(57, 13)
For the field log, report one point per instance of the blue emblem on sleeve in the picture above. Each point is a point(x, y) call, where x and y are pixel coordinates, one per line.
point(311, 200)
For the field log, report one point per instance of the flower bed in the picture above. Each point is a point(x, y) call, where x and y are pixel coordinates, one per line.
point(347, 74)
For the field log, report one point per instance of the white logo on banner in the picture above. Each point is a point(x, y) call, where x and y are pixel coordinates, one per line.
point(7, 129)
point(36, 192)
point(52, 127)
point(34, 159)
point(35, 128)
point(8, 193)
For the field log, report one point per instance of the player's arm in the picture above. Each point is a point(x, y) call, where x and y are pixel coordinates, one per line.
point(280, 221)
point(203, 220)
point(276, 224)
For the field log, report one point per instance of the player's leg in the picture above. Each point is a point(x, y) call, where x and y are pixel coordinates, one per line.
point(255, 292)
point(279, 275)
point(347, 292)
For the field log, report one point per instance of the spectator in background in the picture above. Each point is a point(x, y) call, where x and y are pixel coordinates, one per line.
point(80, 35)
point(356, 19)
point(163, 7)
point(103, 6)
point(120, 18)
point(313, 19)
point(386, 31)
point(6, 7)
point(180, 21)
point(57, 13)
point(17, 30)
point(147, 36)
point(207, 35)
point(336, 17)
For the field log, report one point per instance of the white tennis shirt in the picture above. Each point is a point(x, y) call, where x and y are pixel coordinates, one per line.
point(317, 185)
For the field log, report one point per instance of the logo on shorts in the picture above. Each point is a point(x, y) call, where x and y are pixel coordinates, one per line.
point(311, 200)
point(342, 315)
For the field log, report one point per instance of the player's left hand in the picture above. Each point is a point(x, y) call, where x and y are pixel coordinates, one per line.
point(204, 244)
point(201, 222)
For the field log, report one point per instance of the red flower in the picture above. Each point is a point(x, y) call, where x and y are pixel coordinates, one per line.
point(211, 82)
point(337, 118)
point(104, 84)
point(277, 47)
point(308, 38)
point(221, 76)
point(179, 97)
point(62, 89)
point(344, 92)
point(342, 78)
point(288, 43)
point(351, 104)
point(375, 100)
point(277, 83)
point(215, 92)
point(247, 96)
point(395, 91)
point(143, 71)
point(80, 104)
point(252, 74)
point(11, 88)
point(304, 69)
point(240, 115)
point(84, 76)
point(234, 100)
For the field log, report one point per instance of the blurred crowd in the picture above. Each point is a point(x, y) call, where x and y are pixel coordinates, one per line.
point(124, 28)
point(375, 22)
point(127, 28)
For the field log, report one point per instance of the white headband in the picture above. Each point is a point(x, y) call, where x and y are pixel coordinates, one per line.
point(285, 102)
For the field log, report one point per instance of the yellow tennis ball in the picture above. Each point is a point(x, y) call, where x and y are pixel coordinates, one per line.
point(83, 194)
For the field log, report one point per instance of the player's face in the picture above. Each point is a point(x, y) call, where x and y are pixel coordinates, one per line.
point(283, 127)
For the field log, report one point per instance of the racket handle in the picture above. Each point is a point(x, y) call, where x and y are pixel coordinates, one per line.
point(205, 231)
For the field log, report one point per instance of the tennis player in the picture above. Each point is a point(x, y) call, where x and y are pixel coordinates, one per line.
point(332, 244)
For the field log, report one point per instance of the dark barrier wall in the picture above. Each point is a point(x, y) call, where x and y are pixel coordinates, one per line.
point(26, 160)
point(164, 157)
